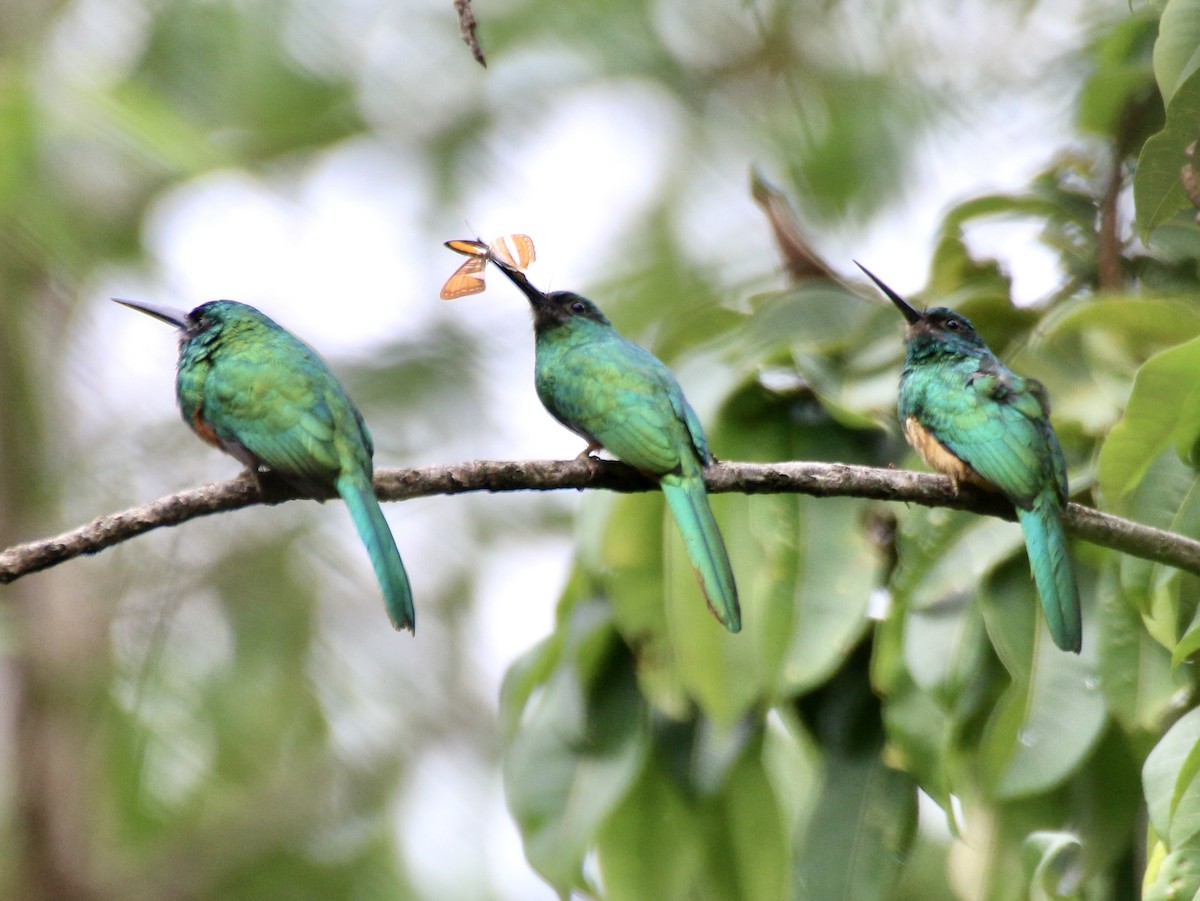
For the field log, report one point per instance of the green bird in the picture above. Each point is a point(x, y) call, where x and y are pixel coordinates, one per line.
point(250, 387)
point(618, 396)
point(973, 419)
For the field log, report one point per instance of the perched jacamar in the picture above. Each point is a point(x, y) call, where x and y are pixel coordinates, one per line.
point(618, 396)
point(975, 420)
point(250, 387)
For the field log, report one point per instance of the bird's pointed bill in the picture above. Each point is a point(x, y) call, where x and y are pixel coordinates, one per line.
point(911, 314)
point(169, 315)
point(517, 277)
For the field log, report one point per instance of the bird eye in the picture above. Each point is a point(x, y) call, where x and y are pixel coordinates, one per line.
point(578, 307)
point(953, 324)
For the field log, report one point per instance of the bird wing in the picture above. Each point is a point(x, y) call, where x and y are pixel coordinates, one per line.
point(695, 430)
point(286, 412)
point(623, 397)
point(996, 422)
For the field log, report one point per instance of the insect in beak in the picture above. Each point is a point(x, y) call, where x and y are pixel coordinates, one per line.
point(467, 278)
point(515, 251)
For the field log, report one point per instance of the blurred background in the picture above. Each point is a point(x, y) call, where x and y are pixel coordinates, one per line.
point(221, 710)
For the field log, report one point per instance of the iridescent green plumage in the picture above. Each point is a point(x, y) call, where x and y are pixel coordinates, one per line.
point(259, 393)
point(974, 419)
point(619, 396)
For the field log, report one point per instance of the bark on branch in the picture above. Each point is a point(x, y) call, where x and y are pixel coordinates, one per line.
point(818, 479)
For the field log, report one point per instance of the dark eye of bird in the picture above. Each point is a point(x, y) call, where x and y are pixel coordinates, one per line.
point(953, 324)
point(578, 307)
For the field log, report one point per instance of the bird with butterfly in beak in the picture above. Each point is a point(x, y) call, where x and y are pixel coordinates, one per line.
point(974, 420)
point(618, 396)
point(248, 386)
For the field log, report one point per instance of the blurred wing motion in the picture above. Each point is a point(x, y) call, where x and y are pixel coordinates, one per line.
point(514, 251)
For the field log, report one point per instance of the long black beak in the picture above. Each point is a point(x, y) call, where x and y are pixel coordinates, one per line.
point(169, 315)
point(517, 277)
point(910, 314)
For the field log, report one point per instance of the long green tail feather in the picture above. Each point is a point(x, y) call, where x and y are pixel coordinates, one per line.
point(1046, 543)
point(359, 496)
point(689, 502)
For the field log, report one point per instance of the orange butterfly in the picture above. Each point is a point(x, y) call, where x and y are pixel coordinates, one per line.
point(514, 250)
point(466, 278)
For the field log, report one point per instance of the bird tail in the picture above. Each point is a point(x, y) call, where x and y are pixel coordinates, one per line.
point(1046, 543)
point(359, 496)
point(688, 500)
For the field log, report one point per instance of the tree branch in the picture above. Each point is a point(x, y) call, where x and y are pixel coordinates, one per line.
point(817, 479)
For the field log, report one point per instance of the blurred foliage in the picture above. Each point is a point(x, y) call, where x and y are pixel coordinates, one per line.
point(217, 713)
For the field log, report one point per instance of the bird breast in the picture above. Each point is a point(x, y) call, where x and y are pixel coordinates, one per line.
point(940, 458)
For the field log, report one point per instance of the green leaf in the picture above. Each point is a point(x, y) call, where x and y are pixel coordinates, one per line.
point(816, 316)
point(727, 674)
point(1189, 643)
point(1176, 877)
point(919, 732)
point(1087, 350)
point(1050, 857)
point(859, 834)
point(1167, 497)
point(1164, 409)
point(728, 846)
point(1185, 805)
point(1169, 781)
point(944, 553)
point(652, 815)
point(1177, 50)
point(792, 764)
point(1053, 713)
point(1121, 72)
point(1157, 188)
point(1031, 744)
point(627, 560)
point(942, 646)
point(583, 739)
point(1144, 325)
point(1105, 798)
point(1135, 670)
point(840, 572)
point(751, 828)
point(530, 671)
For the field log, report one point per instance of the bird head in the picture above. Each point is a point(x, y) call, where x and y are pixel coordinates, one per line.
point(939, 324)
point(554, 309)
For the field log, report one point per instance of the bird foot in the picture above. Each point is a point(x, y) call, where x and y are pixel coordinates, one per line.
point(271, 486)
point(589, 452)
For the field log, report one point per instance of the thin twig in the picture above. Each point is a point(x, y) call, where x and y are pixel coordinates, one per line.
point(817, 479)
point(467, 29)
